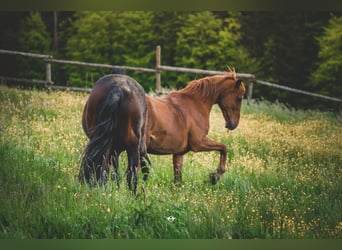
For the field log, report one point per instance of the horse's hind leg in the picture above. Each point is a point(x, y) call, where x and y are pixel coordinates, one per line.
point(114, 162)
point(133, 155)
point(103, 170)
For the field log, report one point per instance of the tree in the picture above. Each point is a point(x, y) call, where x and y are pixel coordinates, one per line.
point(118, 38)
point(33, 37)
point(135, 40)
point(89, 43)
point(9, 27)
point(208, 42)
point(327, 77)
point(165, 26)
point(284, 44)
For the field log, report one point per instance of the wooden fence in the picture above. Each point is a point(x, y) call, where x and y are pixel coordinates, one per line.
point(48, 59)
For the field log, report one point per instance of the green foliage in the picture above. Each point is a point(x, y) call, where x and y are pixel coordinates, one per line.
point(118, 38)
point(33, 37)
point(206, 42)
point(200, 30)
point(284, 44)
point(327, 77)
point(199, 40)
point(281, 181)
point(297, 49)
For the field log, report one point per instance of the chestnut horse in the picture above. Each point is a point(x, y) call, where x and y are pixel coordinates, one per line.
point(118, 116)
point(179, 122)
point(114, 120)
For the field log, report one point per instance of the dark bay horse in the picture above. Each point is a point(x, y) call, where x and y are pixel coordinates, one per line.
point(114, 120)
point(179, 122)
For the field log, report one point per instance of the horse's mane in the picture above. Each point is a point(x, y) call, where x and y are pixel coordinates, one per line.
point(207, 86)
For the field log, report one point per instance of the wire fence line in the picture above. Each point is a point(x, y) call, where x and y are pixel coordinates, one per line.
point(48, 59)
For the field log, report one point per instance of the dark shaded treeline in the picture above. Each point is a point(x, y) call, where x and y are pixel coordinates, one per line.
point(282, 47)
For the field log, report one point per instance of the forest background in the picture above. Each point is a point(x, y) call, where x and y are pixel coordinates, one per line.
point(297, 49)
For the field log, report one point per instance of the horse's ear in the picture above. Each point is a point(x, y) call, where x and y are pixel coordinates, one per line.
point(238, 83)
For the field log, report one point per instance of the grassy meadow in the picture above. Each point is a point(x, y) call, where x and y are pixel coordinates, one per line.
point(284, 177)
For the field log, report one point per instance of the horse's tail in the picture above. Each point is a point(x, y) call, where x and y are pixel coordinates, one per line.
point(93, 159)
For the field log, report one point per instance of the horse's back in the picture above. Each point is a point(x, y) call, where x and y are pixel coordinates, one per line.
point(132, 91)
point(105, 84)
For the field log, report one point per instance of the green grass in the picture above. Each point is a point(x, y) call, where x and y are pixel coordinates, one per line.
point(283, 178)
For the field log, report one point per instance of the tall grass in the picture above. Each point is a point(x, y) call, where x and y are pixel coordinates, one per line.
point(283, 178)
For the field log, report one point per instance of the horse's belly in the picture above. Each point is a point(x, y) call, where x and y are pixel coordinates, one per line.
point(166, 144)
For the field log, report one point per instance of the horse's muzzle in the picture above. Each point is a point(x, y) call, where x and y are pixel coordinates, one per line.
point(231, 125)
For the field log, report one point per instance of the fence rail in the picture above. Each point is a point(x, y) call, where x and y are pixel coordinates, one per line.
point(202, 71)
point(14, 79)
point(297, 91)
point(98, 65)
point(48, 59)
point(35, 55)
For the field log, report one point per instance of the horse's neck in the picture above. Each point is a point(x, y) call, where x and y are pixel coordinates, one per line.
point(209, 94)
point(204, 99)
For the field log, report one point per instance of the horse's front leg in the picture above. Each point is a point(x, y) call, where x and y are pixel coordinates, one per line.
point(177, 168)
point(144, 164)
point(207, 144)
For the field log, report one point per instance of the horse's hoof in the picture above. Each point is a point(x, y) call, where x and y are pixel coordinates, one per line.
point(178, 184)
point(213, 178)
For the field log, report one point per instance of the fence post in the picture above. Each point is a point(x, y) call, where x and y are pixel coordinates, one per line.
point(48, 70)
point(158, 71)
point(250, 90)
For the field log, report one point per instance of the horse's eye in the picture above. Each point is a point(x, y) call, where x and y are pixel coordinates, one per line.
point(239, 99)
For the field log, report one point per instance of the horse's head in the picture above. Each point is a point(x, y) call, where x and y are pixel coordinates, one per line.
point(230, 101)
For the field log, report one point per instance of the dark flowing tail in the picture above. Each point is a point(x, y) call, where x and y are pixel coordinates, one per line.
point(94, 156)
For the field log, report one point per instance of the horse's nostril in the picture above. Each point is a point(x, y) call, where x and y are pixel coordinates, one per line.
point(230, 125)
